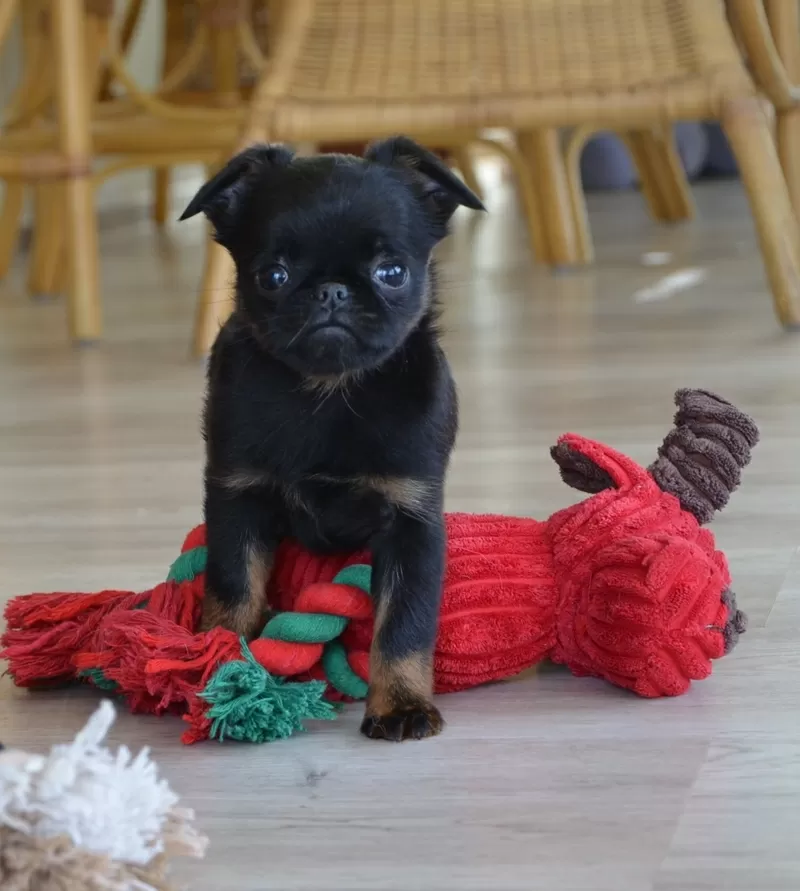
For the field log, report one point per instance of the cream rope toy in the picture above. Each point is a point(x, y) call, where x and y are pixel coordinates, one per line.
point(84, 818)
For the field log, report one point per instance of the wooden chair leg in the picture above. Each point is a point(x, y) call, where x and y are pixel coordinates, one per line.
point(661, 175)
point(531, 206)
point(216, 290)
point(49, 264)
point(749, 133)
point(224, 60)
point(73, 94)
point(8, 9)
point(47, 250)
point(27, 96)
point(161, 184)
point(784, 22)
point(788, 139)
point(580, 215)
point(216, 297)
point(648, 180)
point(10, 217)
point(541, 150)
point(174, 44)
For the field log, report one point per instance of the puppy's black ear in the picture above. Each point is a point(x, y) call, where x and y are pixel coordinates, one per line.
point(220, 198)
point(441, 190)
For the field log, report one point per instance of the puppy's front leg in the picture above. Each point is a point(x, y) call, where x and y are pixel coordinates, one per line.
point(408, 567)
point(242, 535)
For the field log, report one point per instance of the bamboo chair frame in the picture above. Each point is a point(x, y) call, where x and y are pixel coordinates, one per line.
point(32, 151)
point(67, 157)
point(223, 40)
point(55, 154)
point(132, 125)
point(718, 87)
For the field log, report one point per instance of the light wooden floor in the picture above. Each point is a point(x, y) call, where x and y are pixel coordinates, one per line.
point(547, 783)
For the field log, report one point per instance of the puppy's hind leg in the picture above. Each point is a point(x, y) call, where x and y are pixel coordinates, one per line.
point(242, 538)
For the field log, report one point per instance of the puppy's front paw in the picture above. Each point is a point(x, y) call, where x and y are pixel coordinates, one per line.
point(414, 721)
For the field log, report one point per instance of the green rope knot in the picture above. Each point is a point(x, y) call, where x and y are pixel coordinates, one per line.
point(188, 565)
point(326, 628)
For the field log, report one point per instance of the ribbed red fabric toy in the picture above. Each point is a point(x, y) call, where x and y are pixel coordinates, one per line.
point(624, 586)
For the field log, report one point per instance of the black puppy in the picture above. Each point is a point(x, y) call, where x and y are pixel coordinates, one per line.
point(331, 412)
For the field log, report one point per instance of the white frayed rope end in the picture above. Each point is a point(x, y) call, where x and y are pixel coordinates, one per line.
point(108, 804)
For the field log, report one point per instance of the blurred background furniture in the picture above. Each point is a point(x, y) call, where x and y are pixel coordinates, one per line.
point(76, 105)
point(548, 74)
point(66, 155)
point(447, 69)
point(769, 32)
point(213, 51)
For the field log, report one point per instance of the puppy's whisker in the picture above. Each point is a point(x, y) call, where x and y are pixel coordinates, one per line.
point(347, 403)
point(322, 401)
point(303, 328)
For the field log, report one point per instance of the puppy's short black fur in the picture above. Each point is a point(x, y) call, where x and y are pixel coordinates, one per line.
point(331, 412)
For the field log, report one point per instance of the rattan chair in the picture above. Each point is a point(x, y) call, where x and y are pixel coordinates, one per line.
point(55, 132)
point(444, 70)
point(213, 51)
point(769, 34)
point(215, 47)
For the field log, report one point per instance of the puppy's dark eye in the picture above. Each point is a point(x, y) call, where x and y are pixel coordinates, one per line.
point(273, 277)
point(392, 275)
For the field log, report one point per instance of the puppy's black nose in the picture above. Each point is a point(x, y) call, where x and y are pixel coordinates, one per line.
point(332, 294)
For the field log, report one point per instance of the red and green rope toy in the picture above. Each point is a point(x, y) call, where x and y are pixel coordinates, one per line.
point(626, 586)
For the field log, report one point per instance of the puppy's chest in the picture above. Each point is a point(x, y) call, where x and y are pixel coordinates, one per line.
point(331, 456)
point(336, 515)
point(338, 483)
point(306, 451)
point(301, 438)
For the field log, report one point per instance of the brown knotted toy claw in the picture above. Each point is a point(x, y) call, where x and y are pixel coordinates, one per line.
point(701, 459)
point(737, 621)
point(578, 471)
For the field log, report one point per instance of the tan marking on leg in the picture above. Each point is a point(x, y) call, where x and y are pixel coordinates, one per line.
point(406, 679)
point(248, 616)
point(389, 588)
point(399, 683)
point(399, 701)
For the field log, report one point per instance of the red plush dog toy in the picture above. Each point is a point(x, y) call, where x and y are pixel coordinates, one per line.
point(624, 586)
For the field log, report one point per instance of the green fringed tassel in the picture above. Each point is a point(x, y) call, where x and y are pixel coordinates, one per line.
point(250, 705)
